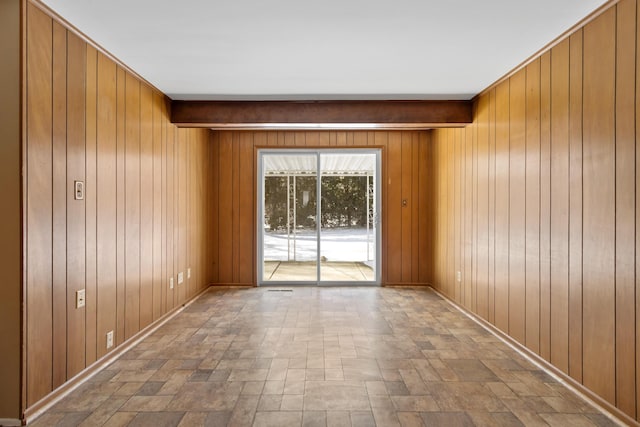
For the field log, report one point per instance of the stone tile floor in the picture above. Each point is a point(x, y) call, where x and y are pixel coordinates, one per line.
point(339, 356)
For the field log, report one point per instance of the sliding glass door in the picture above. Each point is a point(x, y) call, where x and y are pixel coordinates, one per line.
point(318, 216)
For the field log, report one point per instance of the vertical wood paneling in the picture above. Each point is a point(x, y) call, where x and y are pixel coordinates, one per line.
point(246, 221)
point(545, 206)
point(502, 208)
point(532, 207)
point(457, 179)
point(120, 205)
point(474, 278)
point(132, 207)
point(441, 254)
point(171, 227)
point(492, 206)
point(225, 213)
point(450, 266)
point(12, 169)
point(469, 210)
point(146, 206)
point(414, 223)
point(482, 245)
point(311, 138)
point(106, 191)
point(182, 187)
point(59, 200)
point(599, 206)
point(625, 226)
point(394, 209)
point(39, 339)
point(164, 273)
point(235, 202)
point(215, 203)
point(76, 74)
point(517, 210)
point(186, 184)
point(425, 205)
point(637, 216)
point(90, 200)
point(407, 203)
point(575, 206)
point(191, 267)
point(189, 181)
point(157, 211)
point(560, 206)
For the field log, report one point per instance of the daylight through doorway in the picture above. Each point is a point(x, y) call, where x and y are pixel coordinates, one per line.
point(318, 216)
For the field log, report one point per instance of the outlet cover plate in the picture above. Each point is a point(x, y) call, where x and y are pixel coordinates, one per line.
point(109, 339)
point(78, 190)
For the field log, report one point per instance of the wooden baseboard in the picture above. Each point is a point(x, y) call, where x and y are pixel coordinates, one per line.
point(38, 408)
point(615, 414)
point(408, 284)
point(233, 285)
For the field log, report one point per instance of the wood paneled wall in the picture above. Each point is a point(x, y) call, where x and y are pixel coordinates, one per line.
point(145, 210)
point(537, 207)
point(11, 212)
point(406, 231)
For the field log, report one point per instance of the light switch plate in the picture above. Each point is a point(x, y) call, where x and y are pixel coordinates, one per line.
point(80, 298)
point(180, 278)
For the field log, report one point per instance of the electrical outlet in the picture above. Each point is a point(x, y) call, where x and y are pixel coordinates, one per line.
point(189, 273)
point(80, 298)
point(78, 190)
point(180, 278)
point(171, 283)
point(459, 276)
point(109, 339)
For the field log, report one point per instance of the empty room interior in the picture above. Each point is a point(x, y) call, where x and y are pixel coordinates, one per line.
point(342, 213)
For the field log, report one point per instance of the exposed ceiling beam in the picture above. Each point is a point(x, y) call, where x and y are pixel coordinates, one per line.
point(321, 114)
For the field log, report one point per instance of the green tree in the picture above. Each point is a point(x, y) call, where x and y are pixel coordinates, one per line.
point(344, 201)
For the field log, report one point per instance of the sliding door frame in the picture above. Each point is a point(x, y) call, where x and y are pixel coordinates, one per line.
point(377, 219)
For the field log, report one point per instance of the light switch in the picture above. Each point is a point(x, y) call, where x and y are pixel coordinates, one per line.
point(180, 278)
point(80, 298)
point(189, 273)
point(171, 283)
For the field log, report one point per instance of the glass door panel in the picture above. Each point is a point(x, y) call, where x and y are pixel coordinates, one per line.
point(290, 234)
point(348, 213)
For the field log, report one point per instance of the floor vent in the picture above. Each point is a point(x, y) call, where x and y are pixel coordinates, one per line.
point(279, 290)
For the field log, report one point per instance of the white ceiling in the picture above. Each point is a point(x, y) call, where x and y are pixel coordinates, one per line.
point(323, 49)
